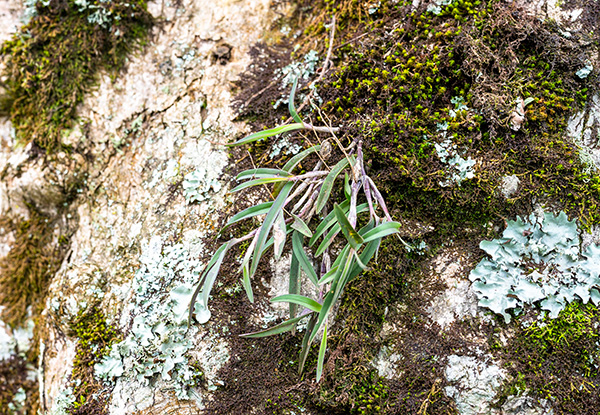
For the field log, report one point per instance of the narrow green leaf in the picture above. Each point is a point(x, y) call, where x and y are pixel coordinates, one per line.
point(246, 283)
point(279, 233)
point(347, 188)
point(261, 174)
point(291, 106)
point(250, 212)
point(328, 239)
point(267, 133)
point(258, 182)
point(321, 358)
point(365, 257)
point(298, 252)
point(327, 185)
point(293, 162)
point(381, 231)
point(278, 329)
point(348, 230)
point(301, 226)
point(294, 283)
point(211, 275)
point(326, 223)
point(330, 220)
point(305, 344)
point(298, 299)
point(213, 264)
point(328, 276)
point(265, 228)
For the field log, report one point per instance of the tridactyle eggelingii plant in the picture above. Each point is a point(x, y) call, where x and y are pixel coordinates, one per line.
point(298, 200)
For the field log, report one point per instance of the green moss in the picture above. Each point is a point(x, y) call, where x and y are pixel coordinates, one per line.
point(94, 340)
point(54, 60)
point(26, 271)
point(558, 359)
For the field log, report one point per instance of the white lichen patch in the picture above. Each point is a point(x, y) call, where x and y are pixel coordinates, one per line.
point(584, 129)
point(474, 383)
point(456, 302)
point(539, 261)
point(157, 346)
point(459, 168)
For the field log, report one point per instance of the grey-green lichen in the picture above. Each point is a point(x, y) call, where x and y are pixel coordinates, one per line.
point(538, 261)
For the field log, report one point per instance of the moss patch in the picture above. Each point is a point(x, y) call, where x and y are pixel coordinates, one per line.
point(26, 271)
point(95, 338)
point(15, 383)
point(557, 359)
point(53, 61)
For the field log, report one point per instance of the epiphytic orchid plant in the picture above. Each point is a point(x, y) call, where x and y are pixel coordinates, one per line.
point(298, 201)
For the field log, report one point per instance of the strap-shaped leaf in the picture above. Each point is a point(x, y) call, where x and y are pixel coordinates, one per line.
point(267, 133)
point(294, 161)
point(305, 344)
point(328, 239)
point(258, 182)
point(381, 231)
point(294, 284)
point(332, 296)
point(347, 188)
point(365, 256)
point(250, 212)
point(298, 252)
point(278, 329)
point(298, 299)
point(328, 276)
point(246, 283)
point(265, 228)
point(330, 220)
point(261, 174)
point(326, 223)
point(291, 106)
point(353, 237)
point(301, 226)
point(279, 232)
point(321, 358)
point(207, 278)
point(327, 185)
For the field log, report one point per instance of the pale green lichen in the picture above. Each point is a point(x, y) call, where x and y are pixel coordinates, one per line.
point(158, 344)
point(539, 261)
point(197, 185)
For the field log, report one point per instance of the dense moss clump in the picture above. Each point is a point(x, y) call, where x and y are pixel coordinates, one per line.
point(18, 392)
point(95, 338)
point(53, 61)
point(26, 271)
point(557, 359)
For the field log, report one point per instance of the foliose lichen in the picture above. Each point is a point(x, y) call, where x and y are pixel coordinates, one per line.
point(197, 184)
point(157, 345)
point(537, 261)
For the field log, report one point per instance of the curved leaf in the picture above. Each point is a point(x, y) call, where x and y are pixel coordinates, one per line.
point(258, 182)
point(265, 228)
point(321, 357)
point(250, 212)
point(298, 252)
point(301, 226)
point(261, 174)
point(291, 106)
point(348, 230)
point(381, 231)
point(298, 299)
point(293, 162)
point(267, 133)
point(327, 185)
point(278, 329)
